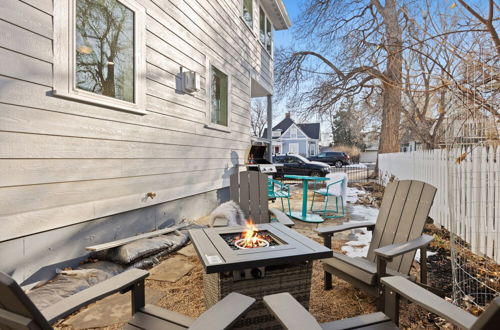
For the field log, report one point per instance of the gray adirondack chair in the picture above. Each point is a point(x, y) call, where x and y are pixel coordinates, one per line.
point(17, 311)
point(293, 316)
point(249, 190)
point(397, 234)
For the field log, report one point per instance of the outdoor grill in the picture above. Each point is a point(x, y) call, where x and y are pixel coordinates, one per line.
point(256, 160)
point(254, 268)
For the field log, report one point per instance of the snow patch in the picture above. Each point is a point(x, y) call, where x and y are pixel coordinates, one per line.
point(360, 165)
point(429, 253)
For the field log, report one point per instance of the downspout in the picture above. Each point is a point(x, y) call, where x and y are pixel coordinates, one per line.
point(270, 127)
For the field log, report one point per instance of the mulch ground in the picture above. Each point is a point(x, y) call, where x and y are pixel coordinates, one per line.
point(343, 301)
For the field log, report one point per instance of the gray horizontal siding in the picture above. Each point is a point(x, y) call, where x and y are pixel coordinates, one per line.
point(65, 162)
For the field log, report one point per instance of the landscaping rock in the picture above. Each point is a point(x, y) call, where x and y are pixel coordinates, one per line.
point(171, 270)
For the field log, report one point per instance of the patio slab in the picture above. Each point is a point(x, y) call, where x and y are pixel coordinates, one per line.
point(171, 270)
point(110, 310)
point(188, 251)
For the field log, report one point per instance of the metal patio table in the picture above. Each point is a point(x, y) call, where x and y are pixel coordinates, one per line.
point(303, 215)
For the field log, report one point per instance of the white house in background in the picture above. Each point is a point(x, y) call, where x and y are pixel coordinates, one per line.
point(119, 117)
point(290, 137)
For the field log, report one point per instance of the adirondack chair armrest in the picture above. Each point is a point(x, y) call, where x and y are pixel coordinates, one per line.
point(289, 312)
point(282, 217)
point(129, 280)
point(330, 230)
point(401, 287)
point(389, 252)
point(223, 314)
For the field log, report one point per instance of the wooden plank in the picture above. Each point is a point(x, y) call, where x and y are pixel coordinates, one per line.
point(171, 316)
point(407, 217)
point(146, 321)
point(359, 322)
point(35, 221)
point(120, 242)
point(429, 301)
point(394, 217)
point(26, 16)
point(225, 313)
point(33, 45)
point(263, 198)
point(289, 312)
point(424, 206)
point(234, 186)
point(385, 208)
point(245, 194)
point(253, 181)
point(118, 283)
point(25, 67)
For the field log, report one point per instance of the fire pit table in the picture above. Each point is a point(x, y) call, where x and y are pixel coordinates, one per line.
point(256, 261)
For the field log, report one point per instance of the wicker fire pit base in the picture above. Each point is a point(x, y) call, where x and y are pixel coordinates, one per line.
point(294, 278)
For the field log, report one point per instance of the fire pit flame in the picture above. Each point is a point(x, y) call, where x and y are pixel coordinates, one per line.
point(251, 238)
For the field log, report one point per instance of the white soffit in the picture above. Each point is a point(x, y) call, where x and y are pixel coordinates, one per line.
point(277, 14)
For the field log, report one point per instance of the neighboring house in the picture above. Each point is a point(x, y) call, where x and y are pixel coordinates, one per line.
point(94, 116)
point(289, 137)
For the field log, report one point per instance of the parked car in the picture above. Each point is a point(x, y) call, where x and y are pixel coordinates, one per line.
point(298, 165)
point(333, 158)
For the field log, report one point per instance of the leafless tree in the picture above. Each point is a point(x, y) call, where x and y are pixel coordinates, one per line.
point(354, 46)
point(258, 116)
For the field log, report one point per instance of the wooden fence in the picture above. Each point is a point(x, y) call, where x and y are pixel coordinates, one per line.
point(468, 195)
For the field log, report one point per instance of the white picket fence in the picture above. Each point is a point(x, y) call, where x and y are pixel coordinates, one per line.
point(468, 193)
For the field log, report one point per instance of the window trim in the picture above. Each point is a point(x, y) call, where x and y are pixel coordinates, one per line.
point(266, 19)
point(208, 87)
point(250, 26)
point(65, 59)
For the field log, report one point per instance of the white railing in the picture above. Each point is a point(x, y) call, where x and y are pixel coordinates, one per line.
point(468, 192)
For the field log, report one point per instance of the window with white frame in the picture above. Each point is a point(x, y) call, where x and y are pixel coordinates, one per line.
point(293, 148)
point(219, 97)
point(265, 31)
point(99, 57)
point(293, 132)
point(248, 12)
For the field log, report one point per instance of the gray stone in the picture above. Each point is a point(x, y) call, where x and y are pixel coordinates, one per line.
point(188, 251)
point(171, 270)
point(111, 310)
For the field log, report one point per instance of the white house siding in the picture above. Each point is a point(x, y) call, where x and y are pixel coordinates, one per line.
point(64, 163)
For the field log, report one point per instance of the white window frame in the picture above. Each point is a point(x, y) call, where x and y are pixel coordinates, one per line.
point(293, 132)
point(266, 18)
point(296, 145)
point(65, 59)
point(208, 88)
point(253, 14)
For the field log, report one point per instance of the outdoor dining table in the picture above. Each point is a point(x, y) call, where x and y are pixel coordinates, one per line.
point(303, 215)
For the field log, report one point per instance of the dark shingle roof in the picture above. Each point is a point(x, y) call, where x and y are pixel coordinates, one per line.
point(311, 130)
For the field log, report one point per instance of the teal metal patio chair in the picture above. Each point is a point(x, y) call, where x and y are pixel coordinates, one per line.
point(277, 189)
point(334, 188)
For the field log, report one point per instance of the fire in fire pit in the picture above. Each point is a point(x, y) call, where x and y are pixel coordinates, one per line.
point(251, 238)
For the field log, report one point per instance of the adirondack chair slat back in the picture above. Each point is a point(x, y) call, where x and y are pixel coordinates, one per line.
point(490, 318)
point(249, 190)
point(14, 300)
point(404, 210)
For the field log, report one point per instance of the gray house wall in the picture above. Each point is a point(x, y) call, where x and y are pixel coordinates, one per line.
point(69, 168)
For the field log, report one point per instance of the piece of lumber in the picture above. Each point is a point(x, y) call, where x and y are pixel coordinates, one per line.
point(119, 283)
point(289, 312)
point(282, 217)
point(390, 251)
point(429, 301)
point(367, 320)
point(225, 313)
point(167, 315)
point(123, 241)
point(330, 230)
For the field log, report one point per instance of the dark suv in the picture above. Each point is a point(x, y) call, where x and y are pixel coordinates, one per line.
point(298, 165)
point(334, 158)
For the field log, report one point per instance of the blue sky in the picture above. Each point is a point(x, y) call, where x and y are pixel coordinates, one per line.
point(284, 38)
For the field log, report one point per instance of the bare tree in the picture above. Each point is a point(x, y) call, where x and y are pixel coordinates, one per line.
point(258, 116)
point(355, 45)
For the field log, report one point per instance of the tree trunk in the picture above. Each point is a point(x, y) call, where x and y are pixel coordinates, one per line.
point(391, 112)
